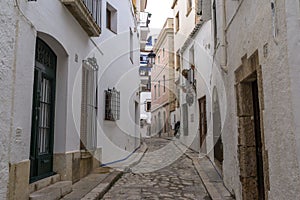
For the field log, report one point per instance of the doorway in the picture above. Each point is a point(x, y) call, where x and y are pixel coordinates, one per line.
point(202, 123)
point(251, 152)
point(258, 141)
point(217, 128)
point(43, 107)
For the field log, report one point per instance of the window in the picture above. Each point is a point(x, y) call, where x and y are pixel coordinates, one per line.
point(158, 59)
point(164, 77)
point(163, 52)
point(199, 7)
point(88, 128)
point(177, 60)
point(154, 91)
point(215, 24)
point(177, 21)
point(192, 65)
point(112, 104)
point(188, 7)
point(111, 18)
point(148, 106)
point(131, 46)
point(158, 88)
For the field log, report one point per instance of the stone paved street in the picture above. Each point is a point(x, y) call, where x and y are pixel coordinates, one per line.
point(179, 180)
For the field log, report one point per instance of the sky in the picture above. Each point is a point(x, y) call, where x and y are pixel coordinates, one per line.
point(160, 10)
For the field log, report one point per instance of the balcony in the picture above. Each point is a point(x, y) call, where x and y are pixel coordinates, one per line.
point(144, 22)
point(87, 13)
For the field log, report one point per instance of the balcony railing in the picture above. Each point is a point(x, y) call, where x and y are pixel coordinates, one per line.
point(87, 13)
point(94, 7)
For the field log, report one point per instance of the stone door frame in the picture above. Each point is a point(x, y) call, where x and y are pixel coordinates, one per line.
point(245, 75)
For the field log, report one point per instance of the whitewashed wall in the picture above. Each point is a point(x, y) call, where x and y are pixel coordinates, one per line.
point(254, 21)
point(7, 67)
point(293, 34)
point(52, 22)
point(203, 66)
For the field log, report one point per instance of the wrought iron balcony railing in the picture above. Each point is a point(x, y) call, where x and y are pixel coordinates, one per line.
point(94, 7)
point(87, 13)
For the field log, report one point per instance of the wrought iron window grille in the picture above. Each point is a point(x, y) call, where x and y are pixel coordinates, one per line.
point(112, 105)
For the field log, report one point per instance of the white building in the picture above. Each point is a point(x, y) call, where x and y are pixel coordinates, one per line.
point(193, 65)
point(61, 114)
point(255, 88)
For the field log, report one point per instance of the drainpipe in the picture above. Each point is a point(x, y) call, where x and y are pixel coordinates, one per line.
point(223, 45)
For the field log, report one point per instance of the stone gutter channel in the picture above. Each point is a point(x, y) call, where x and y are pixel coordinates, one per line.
point(209, 176)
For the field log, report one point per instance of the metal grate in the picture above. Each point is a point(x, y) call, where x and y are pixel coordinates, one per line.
point(112, 104)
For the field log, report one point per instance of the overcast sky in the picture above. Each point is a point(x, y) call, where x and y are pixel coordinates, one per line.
point(160, 10)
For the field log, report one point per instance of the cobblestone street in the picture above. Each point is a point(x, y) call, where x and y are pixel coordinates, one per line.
point(179, 180)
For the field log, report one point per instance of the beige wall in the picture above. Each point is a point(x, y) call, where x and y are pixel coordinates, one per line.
point(163, 68)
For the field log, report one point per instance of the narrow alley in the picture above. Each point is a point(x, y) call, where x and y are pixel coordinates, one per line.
point(177, 181)
point(149, 99)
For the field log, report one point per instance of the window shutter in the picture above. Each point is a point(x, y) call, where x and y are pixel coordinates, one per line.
point(88, 128)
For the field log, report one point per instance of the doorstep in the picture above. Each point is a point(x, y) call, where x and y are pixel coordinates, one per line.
point(95, 185)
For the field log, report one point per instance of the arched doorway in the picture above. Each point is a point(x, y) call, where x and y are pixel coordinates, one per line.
point(43, 108)
point(217, 128)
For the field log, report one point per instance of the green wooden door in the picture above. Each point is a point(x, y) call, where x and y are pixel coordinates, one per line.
point(43, 107)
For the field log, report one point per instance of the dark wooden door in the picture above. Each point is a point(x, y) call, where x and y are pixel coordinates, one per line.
point(202, 120)
point(42, 130)
point(258, 140)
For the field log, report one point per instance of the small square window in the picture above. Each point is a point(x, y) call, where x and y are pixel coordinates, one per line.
point(111, 18)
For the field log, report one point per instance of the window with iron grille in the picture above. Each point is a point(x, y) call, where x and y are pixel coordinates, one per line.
point(88, 128)
point(112, 104)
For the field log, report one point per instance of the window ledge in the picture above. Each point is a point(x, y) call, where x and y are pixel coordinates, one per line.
point(111, 30)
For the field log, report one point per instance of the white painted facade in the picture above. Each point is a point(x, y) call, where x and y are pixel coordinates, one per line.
point(7, 71)
point(200, 44)
point(181, 34)
point(251, 26)
point(192, 44)
point(53, 23)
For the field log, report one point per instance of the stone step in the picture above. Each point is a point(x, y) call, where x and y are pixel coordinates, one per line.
point(38, 185)
point(52, 192)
